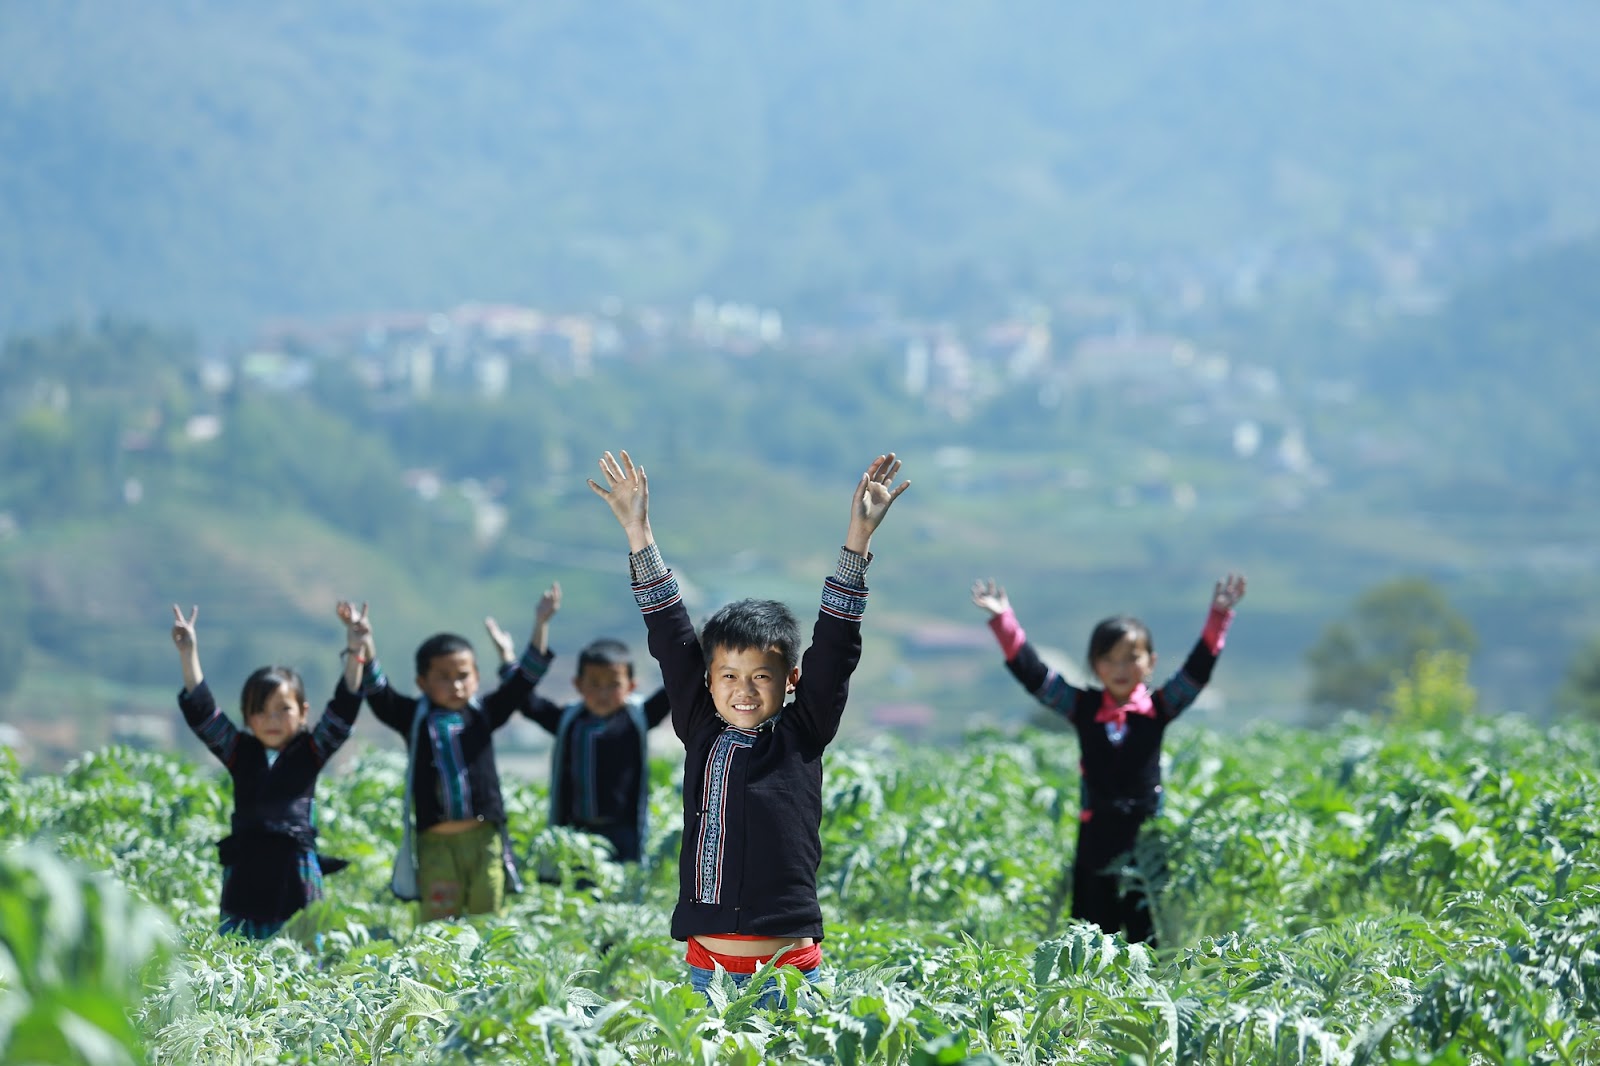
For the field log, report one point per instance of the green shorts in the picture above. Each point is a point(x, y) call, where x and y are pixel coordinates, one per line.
point(461, 873)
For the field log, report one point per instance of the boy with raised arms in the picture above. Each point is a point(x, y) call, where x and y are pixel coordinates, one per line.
point(752, 782)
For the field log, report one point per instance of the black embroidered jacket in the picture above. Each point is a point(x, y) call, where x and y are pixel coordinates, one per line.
point(752, 798)
point(274, 814)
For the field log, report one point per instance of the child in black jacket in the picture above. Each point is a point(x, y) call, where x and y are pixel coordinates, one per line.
point(270, 866)
point(752, 788)
point(1119, 729)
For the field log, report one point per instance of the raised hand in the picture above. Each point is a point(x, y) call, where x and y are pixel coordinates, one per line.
point(357, 628)
point(990, 596)
point(549, 603)
point(183, 629)
point(188, 647)
point(874, 494)
point(627, 493)
point(502, 640)
point(1228, 593)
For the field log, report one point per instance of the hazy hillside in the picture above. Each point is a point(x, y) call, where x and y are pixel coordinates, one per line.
point(1507, 369)
point(131, 483)
point(213, 163)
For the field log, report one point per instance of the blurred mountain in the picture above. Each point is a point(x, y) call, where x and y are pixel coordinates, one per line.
point(1455, 444)
point(213, 163)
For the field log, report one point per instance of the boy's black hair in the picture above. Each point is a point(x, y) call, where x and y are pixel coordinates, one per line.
point(263, 683)
point(437, 645)
point(1110, 632)
point(759, 624)
point(605, 652)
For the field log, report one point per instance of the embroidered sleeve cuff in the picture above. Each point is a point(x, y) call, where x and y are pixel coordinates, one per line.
point(372, 679)
point(852, 569)
point(843, 601)
point(654, 587)
point(533, 664)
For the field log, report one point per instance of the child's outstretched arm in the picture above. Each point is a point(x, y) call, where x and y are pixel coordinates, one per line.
point(549, 605)
point(1031, 672)
point(339, 716)
point(518, 679)
point(390, 708)
point(188, 647)
point(504, 645)
point(835, 651)
point(1224, 598)
point(358, 650)
point(655, 589)
point(1184, 686)
point(1002, 619)
point(195, 701)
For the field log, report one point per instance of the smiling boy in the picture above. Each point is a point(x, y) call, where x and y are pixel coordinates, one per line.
point(600, 762)
point(752, 782)
point(463, 852)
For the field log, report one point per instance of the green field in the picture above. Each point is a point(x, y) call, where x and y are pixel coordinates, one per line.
point(1378, 892)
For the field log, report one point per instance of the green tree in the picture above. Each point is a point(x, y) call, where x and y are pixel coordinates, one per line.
point(1359, 657)
point(1580, 692)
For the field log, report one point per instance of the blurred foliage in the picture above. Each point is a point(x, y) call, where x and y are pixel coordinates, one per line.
point(78, 952)
point(1364, 894)
point(1390, 627)
point(1580, 691)
point(1435, 693)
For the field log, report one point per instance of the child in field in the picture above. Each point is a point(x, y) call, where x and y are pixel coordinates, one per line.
point(752, 780)
point(463, 861)
point(1119, 730)
point(270, 866)
point(600, 765)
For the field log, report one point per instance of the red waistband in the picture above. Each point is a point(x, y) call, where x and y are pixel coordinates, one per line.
point(806, 958)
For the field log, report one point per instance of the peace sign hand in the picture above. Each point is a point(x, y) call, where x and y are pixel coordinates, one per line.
point(183, 628)
point(357, 629)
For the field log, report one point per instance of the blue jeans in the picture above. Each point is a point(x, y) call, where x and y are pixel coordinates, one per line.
point(771, 995)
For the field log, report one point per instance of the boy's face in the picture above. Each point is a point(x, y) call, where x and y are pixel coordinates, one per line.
point(281, 716)
point(451, 680)
point(1125, 667)
point(749, 685)
point(604, 687)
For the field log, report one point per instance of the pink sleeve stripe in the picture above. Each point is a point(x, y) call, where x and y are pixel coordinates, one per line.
point(1008, 631)
point(1215, 633)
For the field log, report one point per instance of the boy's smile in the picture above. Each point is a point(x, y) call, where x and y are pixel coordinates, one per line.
point(748, 685)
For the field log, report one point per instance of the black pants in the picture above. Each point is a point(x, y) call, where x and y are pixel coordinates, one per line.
point(624, 839)
point(1097, 894)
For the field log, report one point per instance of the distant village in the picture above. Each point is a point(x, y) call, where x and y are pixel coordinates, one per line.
point(1089, 342)
point(952, 370)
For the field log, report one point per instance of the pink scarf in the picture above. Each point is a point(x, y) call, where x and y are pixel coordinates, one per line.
point(1138, 702)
